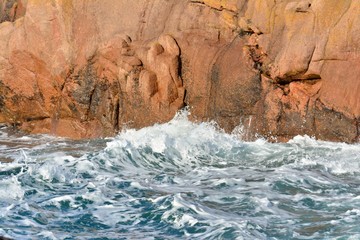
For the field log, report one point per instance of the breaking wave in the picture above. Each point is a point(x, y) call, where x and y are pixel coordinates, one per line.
point(178, 180)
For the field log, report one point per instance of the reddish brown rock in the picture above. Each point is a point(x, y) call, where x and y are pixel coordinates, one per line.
point(85, 69)
point(10, 10)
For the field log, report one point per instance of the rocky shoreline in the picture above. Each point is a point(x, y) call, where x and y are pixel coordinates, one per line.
point(85, 69)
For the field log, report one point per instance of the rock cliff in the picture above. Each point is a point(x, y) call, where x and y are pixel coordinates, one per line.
point(86, 68)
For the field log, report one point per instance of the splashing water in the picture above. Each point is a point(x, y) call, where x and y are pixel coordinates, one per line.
point(179, 180)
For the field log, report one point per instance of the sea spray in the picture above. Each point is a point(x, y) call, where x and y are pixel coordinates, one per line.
point(178, 180)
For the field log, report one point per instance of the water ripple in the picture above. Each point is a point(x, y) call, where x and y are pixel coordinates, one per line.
point(178, 180)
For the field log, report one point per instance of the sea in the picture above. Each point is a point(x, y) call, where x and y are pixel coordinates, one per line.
point(177, 180)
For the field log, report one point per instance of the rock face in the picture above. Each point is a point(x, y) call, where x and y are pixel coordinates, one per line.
point(87, 68)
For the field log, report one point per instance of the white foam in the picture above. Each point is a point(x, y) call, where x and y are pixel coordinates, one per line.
point(137, 185)
point(304, 141)
point(190, 145)
point(353, 212)
point(85, 166)
point(61, 199)
point(184, 220)
point(27, 223)
point(185, 170)
point(50, 171)
point(179, 140)
point(6, 210)
point(262, 204)
point(111, 215)
point(10, 189)
point(48, 235)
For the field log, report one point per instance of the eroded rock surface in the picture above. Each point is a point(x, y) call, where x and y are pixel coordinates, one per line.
point(87, 68)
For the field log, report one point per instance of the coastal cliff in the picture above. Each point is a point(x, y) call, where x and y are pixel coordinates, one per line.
point(276, 69)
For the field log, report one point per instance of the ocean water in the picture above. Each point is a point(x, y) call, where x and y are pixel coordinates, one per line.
point(179, 180)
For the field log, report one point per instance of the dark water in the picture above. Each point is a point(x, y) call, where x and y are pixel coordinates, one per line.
point(178, 180)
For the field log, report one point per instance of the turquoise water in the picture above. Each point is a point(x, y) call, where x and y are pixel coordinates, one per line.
point(178, 180)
